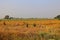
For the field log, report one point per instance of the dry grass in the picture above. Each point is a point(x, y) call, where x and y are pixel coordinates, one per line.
point(29, 30)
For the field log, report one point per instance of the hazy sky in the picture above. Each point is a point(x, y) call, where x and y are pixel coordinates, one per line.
point(30, 8)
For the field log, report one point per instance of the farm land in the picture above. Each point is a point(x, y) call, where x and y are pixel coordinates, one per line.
point(48, 29)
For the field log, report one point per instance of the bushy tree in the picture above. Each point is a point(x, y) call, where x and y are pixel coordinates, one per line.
point(11, 18)
point(6, 17)
point(57, 17)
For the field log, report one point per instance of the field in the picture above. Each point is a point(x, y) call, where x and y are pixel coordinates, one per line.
point(48, 29)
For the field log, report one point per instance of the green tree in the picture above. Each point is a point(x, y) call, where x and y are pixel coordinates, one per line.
point(57, 17)
point(6, 17)
point(11, 18)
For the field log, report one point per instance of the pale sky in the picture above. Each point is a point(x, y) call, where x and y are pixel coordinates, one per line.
point(30, 8)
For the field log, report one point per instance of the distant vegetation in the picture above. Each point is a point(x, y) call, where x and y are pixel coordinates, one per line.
point(29, 28)
point(57, 17)
point(8, 17)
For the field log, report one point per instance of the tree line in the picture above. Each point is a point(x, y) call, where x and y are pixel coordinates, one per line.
point(8, 17)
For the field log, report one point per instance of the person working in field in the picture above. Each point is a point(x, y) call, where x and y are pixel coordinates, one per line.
point(4, 23)
point(34, 25)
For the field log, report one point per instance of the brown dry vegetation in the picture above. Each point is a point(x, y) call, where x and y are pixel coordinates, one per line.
point(30, 29)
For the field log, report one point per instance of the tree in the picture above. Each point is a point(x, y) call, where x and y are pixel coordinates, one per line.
point(57, 17)
point(6, 17)
point(11, 18)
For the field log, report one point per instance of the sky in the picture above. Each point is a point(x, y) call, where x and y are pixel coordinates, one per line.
point(30, 8)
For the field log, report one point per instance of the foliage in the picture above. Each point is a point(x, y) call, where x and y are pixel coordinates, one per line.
point(57, 17)
point(6, 17)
